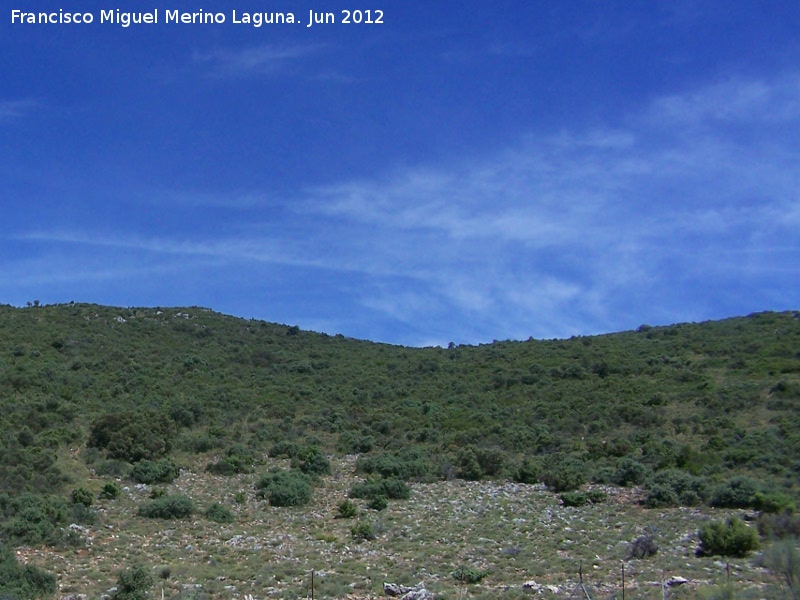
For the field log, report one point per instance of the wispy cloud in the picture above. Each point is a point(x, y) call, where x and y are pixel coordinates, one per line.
point(254, 61)
point(681, 206)
point(11, 110)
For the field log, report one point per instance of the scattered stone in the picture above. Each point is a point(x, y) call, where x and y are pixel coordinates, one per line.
point(676, 581)
point(532, 585)
point(418, 592)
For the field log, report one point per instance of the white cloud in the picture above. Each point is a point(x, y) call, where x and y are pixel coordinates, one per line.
point(16, 109)
point(259, 60)
point(681, 207)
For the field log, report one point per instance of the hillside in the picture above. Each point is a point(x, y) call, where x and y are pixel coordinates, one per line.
point(697, 415)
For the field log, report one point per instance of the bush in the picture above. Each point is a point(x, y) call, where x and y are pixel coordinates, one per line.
point(354, 443)
point(219, 514)
point(81, 514)
point(388, 488)
point(160, 471)
point(729, 538)
point(23, 581)
point(82, 496)
point(378, 503)
point(347, 510)
point(311, 461)
point(642, 547)
point(473, 463)
point(32, 519)
point(783, 559)
point(174, 506)
point(284, 488)
point(405, 465)
point(630, 472)
point(773, 503)
point(673, 487)
point(363, 531)
point(283, 449)
point(574, 499)
point(779, 526)
point(563, 473)
point(469, 575)
point(110, 491)
point(238, 459)
point(133, 436)
point(739, 492)
point(133, 583)
point(528, 471)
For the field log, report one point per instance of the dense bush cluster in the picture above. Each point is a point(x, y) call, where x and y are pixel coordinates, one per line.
point(284, 488)
point(394, 489)
point(23, 581)
point(219, 514)
point(727, 538)
point(158, 471)
point(133, 436)
point(237, 459)
point(33, 518)
point(174, 506)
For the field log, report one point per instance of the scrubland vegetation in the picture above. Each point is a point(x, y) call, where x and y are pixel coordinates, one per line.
point(184, 428)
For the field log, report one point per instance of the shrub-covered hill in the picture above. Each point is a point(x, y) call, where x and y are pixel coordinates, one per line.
point(699, 413)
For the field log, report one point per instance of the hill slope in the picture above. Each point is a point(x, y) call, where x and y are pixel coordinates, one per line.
point(699, 413)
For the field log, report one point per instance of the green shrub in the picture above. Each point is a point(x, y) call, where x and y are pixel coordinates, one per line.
point(673, 487)
point(574, 499)
point(219, 514)
point(23, 581)
point(738, 492)
point(31, 519)
point(133, 436)
point(630, 472)
point(783, 559)
point(528, 471)
point(406, 465)
point(469, 575)
point(563, 473)
point(133, 583)
point(283, 449)
point(174, 506)
point(354, 443)
point(474, 463)
point(373, 488)
point(237, 459)
point(82, 496)
point(347, 510)
point(773, 503)
point(378, 503)
point(160, 471)
point(110, 491)
point(363, 531)
point(779, 526)
point(728, 538)
point(284, 488)
point(311, 461)
point(81, 514)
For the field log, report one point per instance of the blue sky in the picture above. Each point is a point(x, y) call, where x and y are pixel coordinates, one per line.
point(464, 171)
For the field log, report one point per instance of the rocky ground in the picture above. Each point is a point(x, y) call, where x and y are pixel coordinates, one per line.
point(520, 536)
